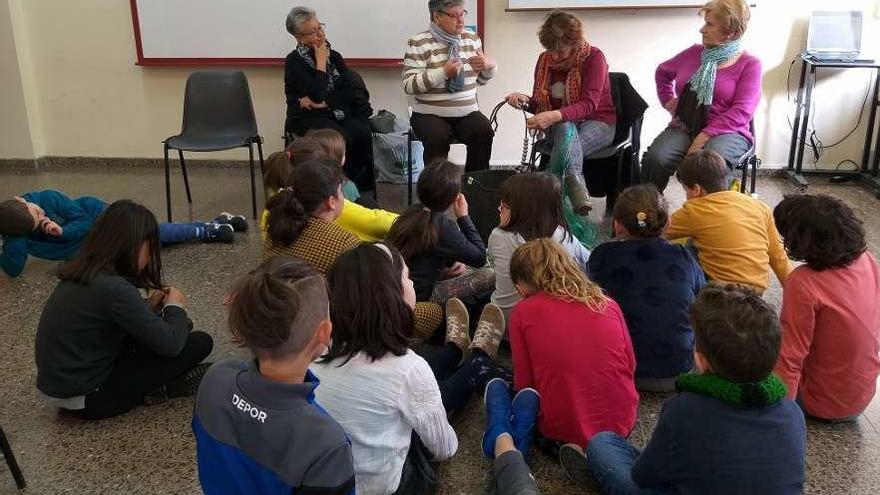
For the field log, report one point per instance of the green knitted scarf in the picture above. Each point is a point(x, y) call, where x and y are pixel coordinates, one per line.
point(768, 391)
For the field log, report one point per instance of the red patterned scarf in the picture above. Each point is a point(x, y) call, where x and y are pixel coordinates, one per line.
point(572, 80)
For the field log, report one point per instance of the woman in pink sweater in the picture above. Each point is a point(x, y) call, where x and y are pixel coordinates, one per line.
point(570, 343)
point(830, 356)
point(571, 99)
point(711, 90)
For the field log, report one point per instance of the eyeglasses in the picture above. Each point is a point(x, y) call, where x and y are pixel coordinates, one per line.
point(463, 14)
point(502, 206)
point(321, 27)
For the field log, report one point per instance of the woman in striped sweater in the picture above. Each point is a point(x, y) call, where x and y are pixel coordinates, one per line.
point(441, 71)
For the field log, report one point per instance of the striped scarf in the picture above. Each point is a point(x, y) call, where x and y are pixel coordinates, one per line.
point(453, 84)
point(703, 80)
point(572, 80)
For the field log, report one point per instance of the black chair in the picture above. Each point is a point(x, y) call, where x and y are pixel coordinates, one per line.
point(10, 461)
point(749, 161)
point(217, 115)
point(604, 170)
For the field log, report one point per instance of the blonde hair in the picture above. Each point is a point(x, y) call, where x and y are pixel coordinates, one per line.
point(543, 265)
point(733, 14)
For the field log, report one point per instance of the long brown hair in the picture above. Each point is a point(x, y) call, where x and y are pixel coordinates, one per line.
point(367, 308)
point(289, 210)
point(114, 244)
point(543, 265)
point(535, 202)
point(417, 229)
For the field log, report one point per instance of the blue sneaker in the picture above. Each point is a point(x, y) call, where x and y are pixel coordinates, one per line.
point(524, 413)
point(497, 400)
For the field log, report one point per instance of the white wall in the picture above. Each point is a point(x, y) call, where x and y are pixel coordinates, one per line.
point(15, 138)
point(85, 97)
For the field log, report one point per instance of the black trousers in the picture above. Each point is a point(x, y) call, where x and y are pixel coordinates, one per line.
point(473, 130)
point(139, 371)
point(358, 143)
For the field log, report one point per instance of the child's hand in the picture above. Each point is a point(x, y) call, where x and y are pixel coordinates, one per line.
point(51, 228)
point(453, 271)
point(155, 298)
point(460, 206)
point(173, 295)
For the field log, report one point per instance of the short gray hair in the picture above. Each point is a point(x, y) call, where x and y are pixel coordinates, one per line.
point(442, 6)
point(297, 17)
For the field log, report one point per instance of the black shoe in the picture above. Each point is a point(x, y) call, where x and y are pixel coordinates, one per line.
point(187, 384)
point(239, 222)
point(218, 232)
point(574, 464)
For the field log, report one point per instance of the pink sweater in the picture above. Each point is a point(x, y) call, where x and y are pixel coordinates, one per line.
point(737, 90)
point(580, 361)
point(831, 337)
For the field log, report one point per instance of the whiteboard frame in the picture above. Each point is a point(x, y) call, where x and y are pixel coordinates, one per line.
point(647, 5)
point(271, 62)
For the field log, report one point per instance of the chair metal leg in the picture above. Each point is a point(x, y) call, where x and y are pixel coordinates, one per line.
point(185, 177)
point(253, 182)
point(742, 183)
point(409, 167)
point(755, 162)
point(167, 184)
point(10, 461)
point(259, 142)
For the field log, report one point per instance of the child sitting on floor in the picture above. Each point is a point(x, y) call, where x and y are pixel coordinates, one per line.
point(830, 355)
point(435, 247)
point(654, 282)
point(367, 224)
point(49, 225)
point(569, 341)
point(257, 425)
point(733, 233)
point(730, 430)
point(392, 402)
point(530, 208)
point(101, 349)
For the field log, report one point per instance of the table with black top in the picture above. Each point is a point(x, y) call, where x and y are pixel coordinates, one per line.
point(869, 172)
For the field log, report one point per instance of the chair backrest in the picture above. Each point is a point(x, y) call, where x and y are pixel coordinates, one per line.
point(628, 104)
point(218, 102)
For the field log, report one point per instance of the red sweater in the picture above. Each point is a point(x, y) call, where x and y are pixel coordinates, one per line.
point(831, 337)
point(580, 361)
point(596, 102)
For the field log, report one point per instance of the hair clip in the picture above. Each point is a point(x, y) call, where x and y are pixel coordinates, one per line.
point(640, 218)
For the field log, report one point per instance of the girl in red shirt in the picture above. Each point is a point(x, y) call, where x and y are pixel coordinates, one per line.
point(571, 344)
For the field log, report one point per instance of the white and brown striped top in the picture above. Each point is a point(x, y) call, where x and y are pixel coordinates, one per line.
point(425, 79)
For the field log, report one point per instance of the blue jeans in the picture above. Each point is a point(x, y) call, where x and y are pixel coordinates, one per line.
point(177, 232)
point(610, 459)
point(670, 146)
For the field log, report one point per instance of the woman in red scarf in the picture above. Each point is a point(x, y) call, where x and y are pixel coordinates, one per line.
point(572, 93)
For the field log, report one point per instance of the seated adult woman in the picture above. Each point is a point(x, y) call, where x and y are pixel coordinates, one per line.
point(321, 93)
point(571, 98)
point(442, 68)
point(711, 90)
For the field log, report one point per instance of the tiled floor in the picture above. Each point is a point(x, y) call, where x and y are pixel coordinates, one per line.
point(151, 449)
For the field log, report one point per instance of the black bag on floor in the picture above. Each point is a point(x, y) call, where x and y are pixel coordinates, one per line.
point(483, 192)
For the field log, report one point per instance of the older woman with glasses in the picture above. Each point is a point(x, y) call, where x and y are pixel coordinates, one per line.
point(442, 69)
point(711, 90)
point(323, 93)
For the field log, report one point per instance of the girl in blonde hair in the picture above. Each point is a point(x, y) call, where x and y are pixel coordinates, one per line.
point(570, 343)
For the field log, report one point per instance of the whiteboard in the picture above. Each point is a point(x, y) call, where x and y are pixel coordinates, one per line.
point(600, 4)
point(252, 32)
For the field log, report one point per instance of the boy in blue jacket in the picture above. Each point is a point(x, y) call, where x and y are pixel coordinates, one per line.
point(48, 224)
